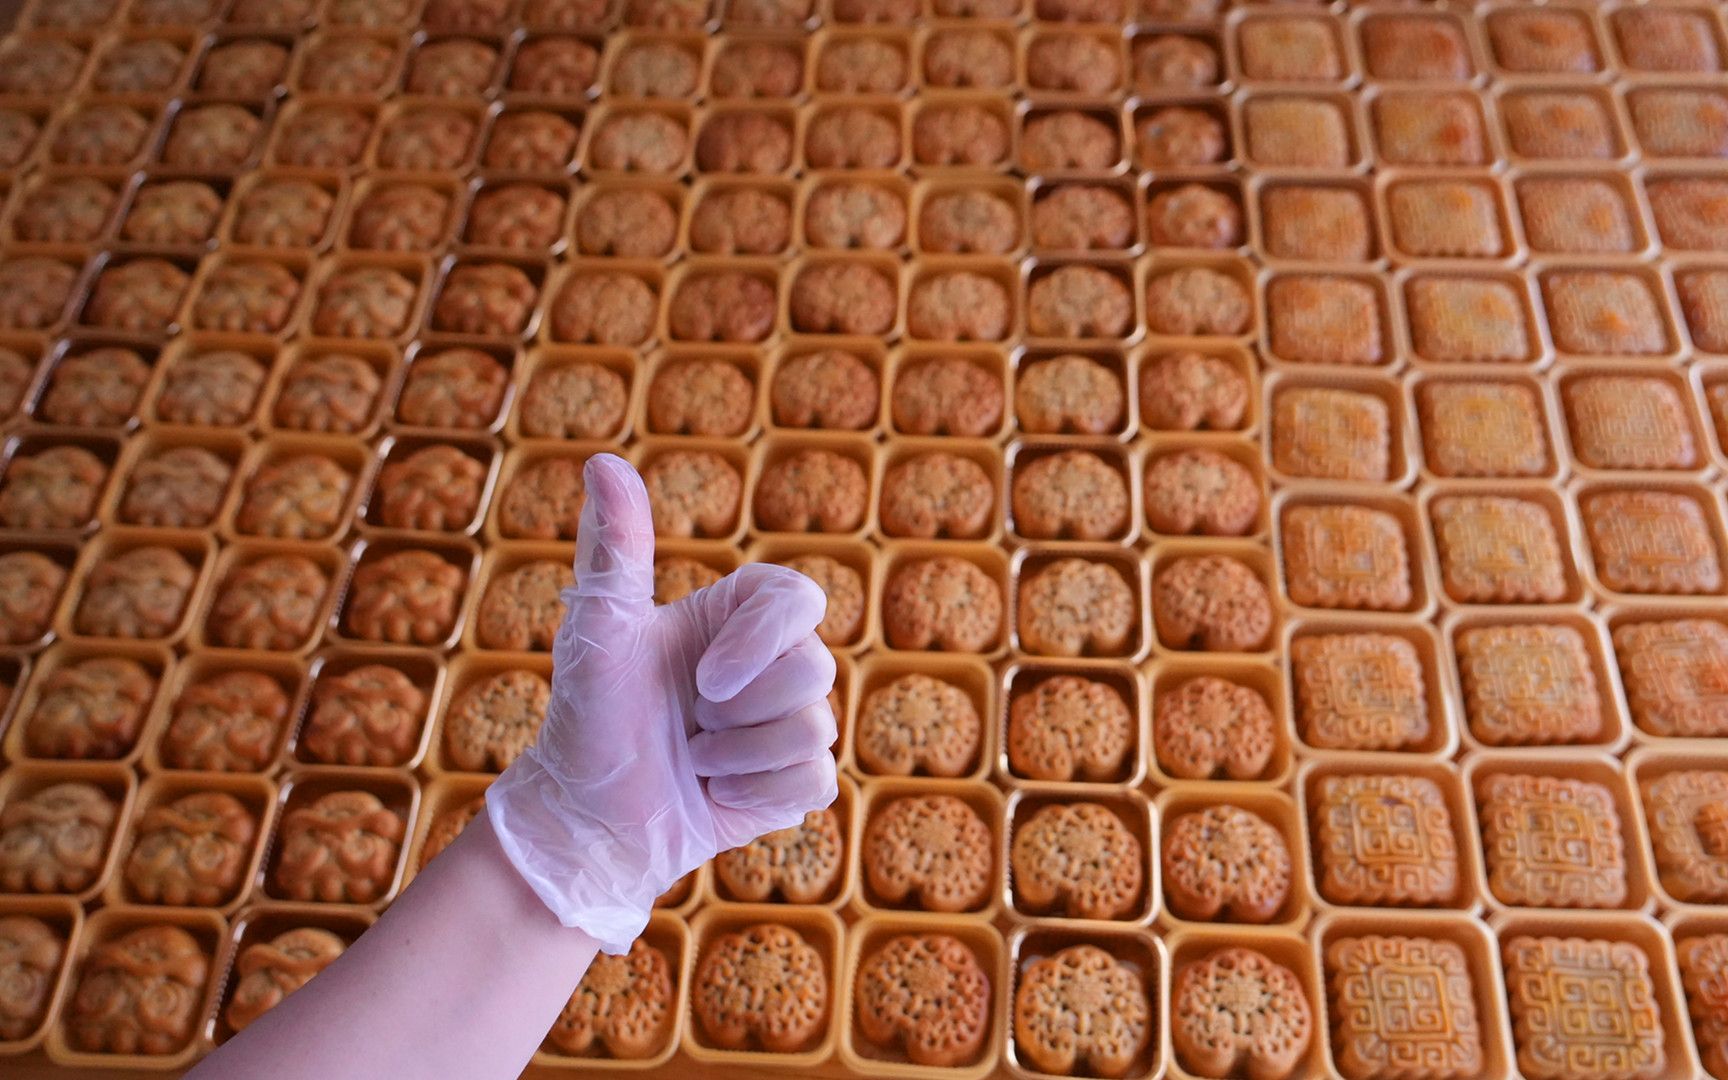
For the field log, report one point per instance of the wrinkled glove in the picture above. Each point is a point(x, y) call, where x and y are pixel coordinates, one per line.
point(674, 733)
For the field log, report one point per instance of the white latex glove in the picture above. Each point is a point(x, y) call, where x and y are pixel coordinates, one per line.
point(674, 732)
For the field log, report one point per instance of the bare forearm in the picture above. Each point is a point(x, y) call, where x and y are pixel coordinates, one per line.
point(462, 976)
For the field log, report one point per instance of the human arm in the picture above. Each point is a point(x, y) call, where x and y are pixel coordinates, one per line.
point(674, 733)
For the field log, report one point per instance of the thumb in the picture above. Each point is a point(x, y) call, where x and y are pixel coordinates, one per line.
point(615, 538)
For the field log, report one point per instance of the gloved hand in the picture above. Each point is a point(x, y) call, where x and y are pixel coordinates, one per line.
point(674, 732)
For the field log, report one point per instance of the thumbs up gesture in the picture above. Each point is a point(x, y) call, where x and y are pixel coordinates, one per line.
point(674, 733)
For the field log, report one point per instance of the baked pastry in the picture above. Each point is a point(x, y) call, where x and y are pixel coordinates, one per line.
point(1179, 136)
point(946, 603)
point(623, 1005)
point(370, 715)
point(1416, 47)
point(1603, 313)
point(1383, 840)
point(676, 577)
point(1679, 122)
point(1457, 319)
point(917, 724)
point(17, 371)
point(527, 216)
point(266, 972)
point(800, 864)
point(1203, 492)
point(286, 212)
point(1082, 217)
point(302, 497)
point(218, 388)
point(1069, 728)
point(1074, 63)
point(227, 722)
point(1212, 602)
point(1225, 864)
point(937, 494)
point(1359, 690)
point(192, 851)
point(1077, 859)
point(1526, 818)
point(830, 389)
point(1543, 41)
point(1318, 223)
point(1324, 319)
point(927, 993)
point(139, 993)
point(446, 827)
point(212, 137)
point(400, 217)
point(523, 608)
point(579, 400)
point(722, 305)
point(1079, 1010)
point(861, 65)
point(544, 500)
point(96, 388)
point(1079, 301)
point(843, 298)
point(1210, 726)
point(693, 493)
point(69, 210)
point(1197, 216)
point(436, 488)
point(1370, 977)
point(963, 58)
point(493, 721)
point(452, 67)
point(100, 134)
point(1482, 428)
point(1669, 668)
point(335, 393)
point(272, 602)
point(1702, 960)
point(753, 221)
point(139, 593)
point(139, 296)
point(1345, 556)
point(964, 221)
point(1068, 139)
point(36, 290)
point(1684, 212)
point(90, 708)
point(1162, 62)
point(323, 137)
point(763, 985)
point(55, 840)
point(1428, 128)
point(812, 491)
point(1528, 684)
point(1559, 125)
point(30, 588)
point(1550, 1022)
point(30, 956)
point(489, 299)
point(647, 142)
point(434, 138)
point(407, 597)
point(649, 69)
point(1197, 301)
point(1074, 607)
point(1190, 391)
point(700, 397)
point(1680, 810)
point(604, 308)
point(947, 396)
point(759, 69)
point(347, 65)
point(364, 301)
point(1583, 215)
point(852, 137)
point(964, 135)
point(1677, 40)
point(1651, 542)
point(1497, 549)
point(1290, 49)
point(341, 848)
point(843, 587)
point(931, 852)
point(180, 488)
point(623, 221)
point(744, 142)
point(150, 65)
point(1068, 395)
point(958, 305)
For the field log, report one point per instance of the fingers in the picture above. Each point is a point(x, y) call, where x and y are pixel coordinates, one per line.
point(767, 610)
point(803, 675)
point(615, 538)
point(774, 744)
point(808, 785)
